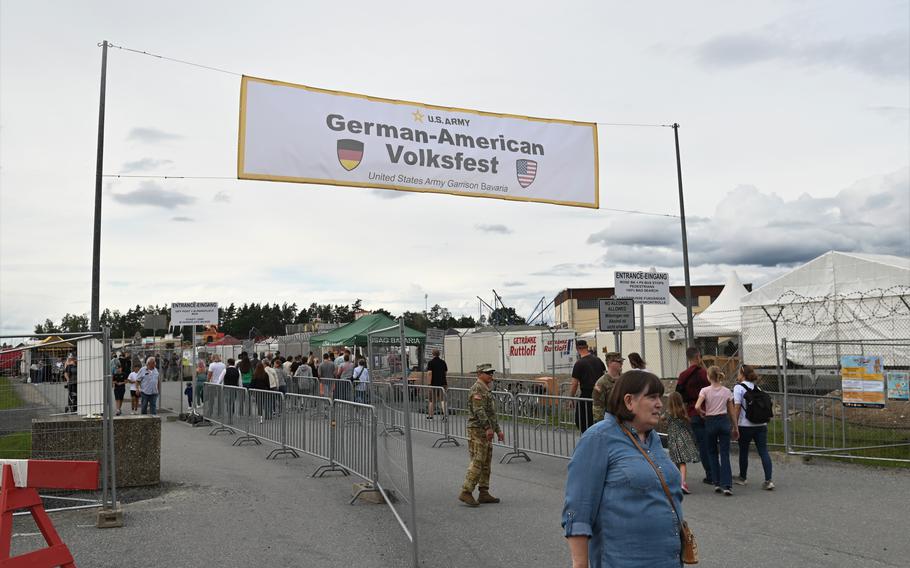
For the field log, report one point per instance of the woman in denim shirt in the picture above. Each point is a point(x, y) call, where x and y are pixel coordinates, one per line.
point(616, 513)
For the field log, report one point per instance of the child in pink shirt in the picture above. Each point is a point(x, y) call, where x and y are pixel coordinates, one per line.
point(715, 403)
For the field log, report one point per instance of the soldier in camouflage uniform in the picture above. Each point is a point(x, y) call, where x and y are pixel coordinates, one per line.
point(604, 384)
point(482, 425)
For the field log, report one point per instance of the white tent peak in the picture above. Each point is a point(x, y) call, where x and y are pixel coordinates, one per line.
point(722, 317)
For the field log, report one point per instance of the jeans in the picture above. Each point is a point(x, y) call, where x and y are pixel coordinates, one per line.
point(698, 428)
point(717, 436)
point(149, 403)
point(746, 435)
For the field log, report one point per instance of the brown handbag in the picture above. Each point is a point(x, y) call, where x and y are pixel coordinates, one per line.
point(689, 552)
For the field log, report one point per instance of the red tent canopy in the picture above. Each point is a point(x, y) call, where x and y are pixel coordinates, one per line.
point(226, 340)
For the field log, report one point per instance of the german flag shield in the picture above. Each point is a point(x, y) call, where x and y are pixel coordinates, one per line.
point(350, 152)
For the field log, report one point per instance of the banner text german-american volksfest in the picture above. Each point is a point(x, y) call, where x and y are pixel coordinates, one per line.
point(303, 134)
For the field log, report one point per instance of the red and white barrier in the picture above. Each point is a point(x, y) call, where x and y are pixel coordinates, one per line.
point(19, 483)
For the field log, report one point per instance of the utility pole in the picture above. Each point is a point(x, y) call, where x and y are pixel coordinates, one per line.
point(95, 324)
point(690, 335)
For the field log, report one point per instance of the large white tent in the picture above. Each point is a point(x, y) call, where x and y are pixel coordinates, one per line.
point(837, 296)
point(722, 317)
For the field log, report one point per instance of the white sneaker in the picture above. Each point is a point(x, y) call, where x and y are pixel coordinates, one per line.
point(739, 481)
point(768, 485)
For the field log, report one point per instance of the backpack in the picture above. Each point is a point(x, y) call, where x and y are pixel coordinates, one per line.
point(759, 408)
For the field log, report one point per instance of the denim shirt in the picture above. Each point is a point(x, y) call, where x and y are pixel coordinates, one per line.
point(614, 496)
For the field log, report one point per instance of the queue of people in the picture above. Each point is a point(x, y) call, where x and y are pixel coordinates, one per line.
point(624, 492)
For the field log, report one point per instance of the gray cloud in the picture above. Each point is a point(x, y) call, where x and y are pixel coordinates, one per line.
point(144, 165)
point(501, 229)
point(151, 135)
point(513, 284)
point(754, 228)
point(150, 193)
point(182, 219)
point(222, 197)
point(567, 269)
point(886, 55)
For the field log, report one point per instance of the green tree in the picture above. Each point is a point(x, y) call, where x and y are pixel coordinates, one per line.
point(505, 316)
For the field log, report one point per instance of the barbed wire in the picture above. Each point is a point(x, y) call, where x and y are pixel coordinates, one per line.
point(853, 307)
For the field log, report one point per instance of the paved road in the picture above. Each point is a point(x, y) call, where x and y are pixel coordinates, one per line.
point(230, 506)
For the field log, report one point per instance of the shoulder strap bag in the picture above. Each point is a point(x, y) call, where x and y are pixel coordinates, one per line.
point(689, 552)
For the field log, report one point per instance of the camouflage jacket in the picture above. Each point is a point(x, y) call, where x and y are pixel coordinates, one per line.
point(482, 408)
point(602, 389)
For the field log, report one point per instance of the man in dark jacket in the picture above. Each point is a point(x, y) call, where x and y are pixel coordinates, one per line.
point(689, 385)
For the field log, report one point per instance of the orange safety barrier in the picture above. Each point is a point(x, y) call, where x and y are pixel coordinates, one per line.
point(22, 493)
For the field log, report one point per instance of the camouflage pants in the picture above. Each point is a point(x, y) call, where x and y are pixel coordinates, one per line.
point(481, 451)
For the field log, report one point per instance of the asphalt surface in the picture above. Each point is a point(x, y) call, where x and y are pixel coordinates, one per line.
point(228, 506)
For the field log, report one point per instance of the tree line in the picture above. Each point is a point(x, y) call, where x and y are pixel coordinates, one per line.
point(270, 319)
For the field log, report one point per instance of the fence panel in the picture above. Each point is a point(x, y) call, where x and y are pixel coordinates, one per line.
point(546, 424)
point(56, 403)
point(355, 431)
point(815, 416)
point(309, 425)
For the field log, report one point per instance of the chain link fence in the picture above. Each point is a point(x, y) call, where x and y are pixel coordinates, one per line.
point(56, 404)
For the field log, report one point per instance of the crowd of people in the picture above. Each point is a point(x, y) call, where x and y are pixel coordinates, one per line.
point(620, 480)
point(277, 373)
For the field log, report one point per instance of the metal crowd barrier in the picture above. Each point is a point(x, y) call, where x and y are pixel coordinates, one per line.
point(341, 389)
point(422, 395)
point(343, 433)
point(457, 401)
point(545, 424)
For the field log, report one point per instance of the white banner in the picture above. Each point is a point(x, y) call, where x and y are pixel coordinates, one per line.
point(194, 313)
point(301, 134)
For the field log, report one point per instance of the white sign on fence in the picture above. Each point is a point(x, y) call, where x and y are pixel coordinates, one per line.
point(616, 314)
point(194, 313)
point(643, 287)
point(302, 134)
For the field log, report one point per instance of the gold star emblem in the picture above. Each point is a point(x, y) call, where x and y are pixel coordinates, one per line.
point(418, 117)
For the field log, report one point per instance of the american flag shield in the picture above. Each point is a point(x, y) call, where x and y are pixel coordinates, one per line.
point(527, 171)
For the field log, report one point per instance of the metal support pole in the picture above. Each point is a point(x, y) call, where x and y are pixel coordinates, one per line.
point(660, 346)
point(553, 351)
point(690, 337)
point(641, 313)
point(409, 450)
point(107, 416)
point(616, 342)
point(461, 353)
point(786, 411)
point(99, 166)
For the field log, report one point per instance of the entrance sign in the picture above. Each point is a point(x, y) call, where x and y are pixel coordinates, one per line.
point(643, 287)
point(295, 133)
point(616, 314)
point(194, 313)
point(862, 381)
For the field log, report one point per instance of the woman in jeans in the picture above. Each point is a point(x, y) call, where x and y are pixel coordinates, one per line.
point(616, 512)
point(201, 377)
point(259, 388)
point(715, 403)
point(748, 430)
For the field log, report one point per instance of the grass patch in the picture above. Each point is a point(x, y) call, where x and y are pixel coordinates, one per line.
point(8, 397)
point(823, 433)
point(16, 446)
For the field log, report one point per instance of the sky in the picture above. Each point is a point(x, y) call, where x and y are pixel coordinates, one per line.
point(794, 135)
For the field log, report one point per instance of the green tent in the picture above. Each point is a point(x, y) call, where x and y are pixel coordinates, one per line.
point(355, 333)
